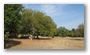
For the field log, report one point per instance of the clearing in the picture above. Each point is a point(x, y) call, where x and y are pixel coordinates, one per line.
point(49, 43)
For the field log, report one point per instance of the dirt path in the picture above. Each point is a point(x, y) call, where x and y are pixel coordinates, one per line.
point(55, 43)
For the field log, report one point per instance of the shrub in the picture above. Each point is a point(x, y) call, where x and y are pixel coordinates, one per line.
point(6, 35)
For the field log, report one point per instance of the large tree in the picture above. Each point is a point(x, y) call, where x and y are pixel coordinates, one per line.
point(37, 23)
point(11, 17)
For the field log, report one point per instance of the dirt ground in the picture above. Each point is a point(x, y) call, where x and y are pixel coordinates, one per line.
point(50, 43)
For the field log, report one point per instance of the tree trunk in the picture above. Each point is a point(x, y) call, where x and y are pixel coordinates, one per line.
point(52, 36)
point(37, 37)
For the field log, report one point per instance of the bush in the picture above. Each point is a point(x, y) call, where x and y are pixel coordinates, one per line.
point(6, 35)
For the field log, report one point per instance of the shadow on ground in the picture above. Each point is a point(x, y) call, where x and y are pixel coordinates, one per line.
point(42, 38)
point(23, 38)
point(10, 43)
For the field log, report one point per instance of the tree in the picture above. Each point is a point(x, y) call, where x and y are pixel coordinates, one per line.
point(73, 32)
point(27, 21)
point(11, 17)
point(80, 30)
point(37, 23)
point(62, 31)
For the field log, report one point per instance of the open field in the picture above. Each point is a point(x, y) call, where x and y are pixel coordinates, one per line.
point(50, 43)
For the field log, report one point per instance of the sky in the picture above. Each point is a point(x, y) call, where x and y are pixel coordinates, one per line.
point(67, 15)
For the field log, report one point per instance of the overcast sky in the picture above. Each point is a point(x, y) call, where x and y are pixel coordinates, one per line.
point(67, 15)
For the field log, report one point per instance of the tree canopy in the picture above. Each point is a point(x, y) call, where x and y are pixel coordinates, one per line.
point(62, 31)
point(11, 17)
point(37, 23)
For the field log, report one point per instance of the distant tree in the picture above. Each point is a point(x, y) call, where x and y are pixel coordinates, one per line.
point(62, 31)
point(80, 30)
point(73, 32)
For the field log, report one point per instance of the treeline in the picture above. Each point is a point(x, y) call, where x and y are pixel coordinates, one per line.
point(18, 20)
point(78, 32)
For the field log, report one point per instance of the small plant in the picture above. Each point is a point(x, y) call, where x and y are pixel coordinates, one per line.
point(6, 36)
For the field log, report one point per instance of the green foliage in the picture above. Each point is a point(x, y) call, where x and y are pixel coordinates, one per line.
point(11, 17)
point(62, 31)
point(73, 32)
point(37, 23)
point(80, 30)
point(6, 35)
